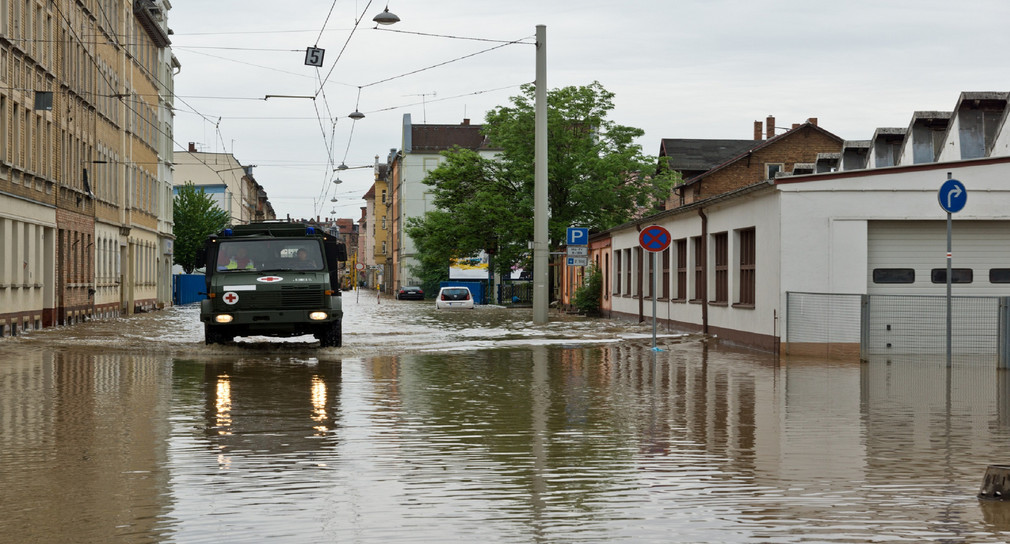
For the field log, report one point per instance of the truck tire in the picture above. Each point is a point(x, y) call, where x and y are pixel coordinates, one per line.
point(330, 335)
point(214, 335)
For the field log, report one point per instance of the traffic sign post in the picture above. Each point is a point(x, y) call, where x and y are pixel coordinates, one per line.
point(952, 197)
point(654, 239)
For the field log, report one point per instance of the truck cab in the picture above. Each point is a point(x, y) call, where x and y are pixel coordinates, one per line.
point(273, 278)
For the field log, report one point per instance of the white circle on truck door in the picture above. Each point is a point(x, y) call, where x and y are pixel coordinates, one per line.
point(230, 298)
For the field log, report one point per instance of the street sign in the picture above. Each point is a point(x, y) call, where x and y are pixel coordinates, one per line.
point(359, 266)
point(952, 196)
point(654, 238)
point(578, 251)
point(314, 56)
point(578, 236)
point(577, 261)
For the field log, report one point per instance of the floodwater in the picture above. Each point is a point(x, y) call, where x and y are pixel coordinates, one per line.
point(476, 425)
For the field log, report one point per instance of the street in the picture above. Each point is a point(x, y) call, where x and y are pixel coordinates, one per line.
point(475, 425)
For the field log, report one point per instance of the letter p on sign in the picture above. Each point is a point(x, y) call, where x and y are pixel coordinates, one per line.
point(578, 236)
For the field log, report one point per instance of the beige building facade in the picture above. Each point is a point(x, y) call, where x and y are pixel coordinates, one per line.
point(85, 161)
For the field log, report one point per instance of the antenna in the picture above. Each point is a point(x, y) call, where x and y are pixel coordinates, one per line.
point(424, 109)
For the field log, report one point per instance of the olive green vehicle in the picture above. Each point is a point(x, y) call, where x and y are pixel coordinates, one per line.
point(272, 278)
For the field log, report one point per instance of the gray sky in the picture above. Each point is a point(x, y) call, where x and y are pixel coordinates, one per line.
point(679, 69)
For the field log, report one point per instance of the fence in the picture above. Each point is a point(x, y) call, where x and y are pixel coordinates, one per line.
point(901, 325)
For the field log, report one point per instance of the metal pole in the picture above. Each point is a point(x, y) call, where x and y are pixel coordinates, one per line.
point(541, 276)
point(655, 287)
point(949, 267)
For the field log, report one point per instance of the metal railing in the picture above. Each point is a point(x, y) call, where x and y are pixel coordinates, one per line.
point(902, 325)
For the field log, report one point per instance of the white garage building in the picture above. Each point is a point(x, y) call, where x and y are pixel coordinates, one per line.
point(802, 252)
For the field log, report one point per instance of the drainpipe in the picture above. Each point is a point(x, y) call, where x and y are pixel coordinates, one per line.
point(638, 255)
point(704, 270)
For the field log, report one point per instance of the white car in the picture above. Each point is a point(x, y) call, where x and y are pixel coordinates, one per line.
point(454, 297)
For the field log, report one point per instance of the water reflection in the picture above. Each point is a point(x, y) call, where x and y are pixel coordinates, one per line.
point(82, 445)
point(700, 443)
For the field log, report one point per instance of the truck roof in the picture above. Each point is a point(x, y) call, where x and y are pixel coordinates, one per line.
point(274, 229)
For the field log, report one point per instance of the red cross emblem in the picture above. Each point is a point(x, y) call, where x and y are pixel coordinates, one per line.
point(269, 279)
point(230, 298)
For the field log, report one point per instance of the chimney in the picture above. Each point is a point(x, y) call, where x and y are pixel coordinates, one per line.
point(192, 147)
point(770, 127)
point(796, 125)
point(758, 127)
point(466, 122)
point(812, 121)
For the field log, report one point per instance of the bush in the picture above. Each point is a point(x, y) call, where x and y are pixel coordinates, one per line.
point(587, 297)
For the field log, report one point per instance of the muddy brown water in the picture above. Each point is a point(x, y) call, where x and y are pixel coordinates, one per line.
point(468, 426)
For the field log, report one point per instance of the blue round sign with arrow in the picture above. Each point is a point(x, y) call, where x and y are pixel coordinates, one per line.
point(952, 196)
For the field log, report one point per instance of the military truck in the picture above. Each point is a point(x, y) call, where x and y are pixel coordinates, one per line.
point(272, 278)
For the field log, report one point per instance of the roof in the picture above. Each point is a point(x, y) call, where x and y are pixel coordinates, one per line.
point(697, 154)
point(435, 138)
point(756, 145)
point(370, 194)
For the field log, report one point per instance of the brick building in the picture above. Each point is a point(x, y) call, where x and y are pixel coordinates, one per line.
point(714, 167)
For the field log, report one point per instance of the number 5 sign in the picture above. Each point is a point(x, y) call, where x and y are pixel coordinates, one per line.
point(314, 56)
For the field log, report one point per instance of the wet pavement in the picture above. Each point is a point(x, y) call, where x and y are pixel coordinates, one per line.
point(475, 425)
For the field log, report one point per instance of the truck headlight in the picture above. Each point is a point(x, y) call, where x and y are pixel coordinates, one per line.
point(318, 316)
point(223, 318)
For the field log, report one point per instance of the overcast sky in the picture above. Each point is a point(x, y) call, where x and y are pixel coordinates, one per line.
point(678, 68)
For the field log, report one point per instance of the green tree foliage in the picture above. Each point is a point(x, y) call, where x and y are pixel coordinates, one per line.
point(598, 178)
point(196, 216)
point(587, 296)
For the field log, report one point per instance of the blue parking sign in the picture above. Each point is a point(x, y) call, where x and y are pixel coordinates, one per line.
point(578, 236)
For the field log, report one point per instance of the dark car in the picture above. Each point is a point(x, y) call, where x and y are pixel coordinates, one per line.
point(410, 292)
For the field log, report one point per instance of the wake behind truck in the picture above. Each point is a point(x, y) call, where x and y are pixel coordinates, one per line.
point(272, 278)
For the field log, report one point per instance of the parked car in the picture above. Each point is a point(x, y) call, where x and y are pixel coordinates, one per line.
point(454, 297)
point(410, 292)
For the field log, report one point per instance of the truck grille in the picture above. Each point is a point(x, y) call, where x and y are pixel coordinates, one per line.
point(287, 298)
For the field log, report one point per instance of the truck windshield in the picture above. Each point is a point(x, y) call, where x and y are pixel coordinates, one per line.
point(273, 254)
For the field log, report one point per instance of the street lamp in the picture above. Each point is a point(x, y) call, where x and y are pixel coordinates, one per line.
point(386, 18)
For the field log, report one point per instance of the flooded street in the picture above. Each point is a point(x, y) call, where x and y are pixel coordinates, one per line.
point(474, 425)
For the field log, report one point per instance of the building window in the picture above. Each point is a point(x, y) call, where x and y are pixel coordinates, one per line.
point(748, 260)
point(721, 257)
point(957, 275)
point(627, 272)
point(699, 269)
point(893, 275)
point(383, 248)
point(617, 272)
point(772, 168)
point(681, 269)
point(383, 196)
point(639, 263)
point(606, 275)
point(999, 275)
point(664, 290)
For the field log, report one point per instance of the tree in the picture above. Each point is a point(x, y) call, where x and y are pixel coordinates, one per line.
point(196, 216)
point(597, 179)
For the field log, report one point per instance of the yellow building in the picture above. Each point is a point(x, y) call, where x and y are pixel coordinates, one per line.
point(85, 161)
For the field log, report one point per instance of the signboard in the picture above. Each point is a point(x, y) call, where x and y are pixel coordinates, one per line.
point(577, 261)
point(314, 56)
point(578, 251)
point(654, 238)
point(952, 196)
point(578, 236)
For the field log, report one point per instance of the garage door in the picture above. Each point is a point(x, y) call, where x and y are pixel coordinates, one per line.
point(909, 258)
